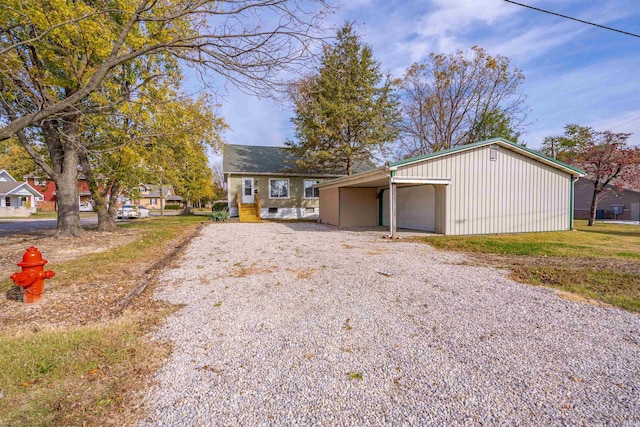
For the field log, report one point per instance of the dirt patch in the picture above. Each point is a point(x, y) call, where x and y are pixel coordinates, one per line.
point(58, 249)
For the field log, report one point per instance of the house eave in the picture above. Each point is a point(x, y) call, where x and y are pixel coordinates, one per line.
point(361, 177)
point(310, 175)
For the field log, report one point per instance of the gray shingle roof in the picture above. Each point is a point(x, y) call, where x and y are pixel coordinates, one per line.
point(6, 187)
point(268, 160)
point(253, 158)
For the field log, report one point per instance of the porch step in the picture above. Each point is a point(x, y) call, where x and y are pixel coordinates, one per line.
point(249, 213)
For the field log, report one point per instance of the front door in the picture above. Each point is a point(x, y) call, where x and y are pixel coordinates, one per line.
point(247, 190)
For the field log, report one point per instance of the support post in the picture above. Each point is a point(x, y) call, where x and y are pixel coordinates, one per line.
point(392, 209)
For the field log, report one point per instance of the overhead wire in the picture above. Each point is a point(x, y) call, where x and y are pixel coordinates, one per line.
point(573, 19)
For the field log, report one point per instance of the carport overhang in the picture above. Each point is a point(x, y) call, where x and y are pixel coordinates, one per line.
point(383, 177)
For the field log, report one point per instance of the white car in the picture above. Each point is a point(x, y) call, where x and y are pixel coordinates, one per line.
point(132, 211)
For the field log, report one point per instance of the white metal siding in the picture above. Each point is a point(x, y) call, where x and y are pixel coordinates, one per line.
point(511, 194)
point(416, 208)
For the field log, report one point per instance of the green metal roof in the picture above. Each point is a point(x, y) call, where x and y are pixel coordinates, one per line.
point(487, 142)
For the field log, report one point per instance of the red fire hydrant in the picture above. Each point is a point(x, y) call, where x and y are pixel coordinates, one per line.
point(32, 276)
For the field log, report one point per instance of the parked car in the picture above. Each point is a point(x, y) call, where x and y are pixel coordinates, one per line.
point(143, 212)
point(132, 211)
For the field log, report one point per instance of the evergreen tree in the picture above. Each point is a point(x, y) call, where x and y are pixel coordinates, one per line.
point(346, 111)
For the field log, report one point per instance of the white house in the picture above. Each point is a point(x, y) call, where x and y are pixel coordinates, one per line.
point(17, 198)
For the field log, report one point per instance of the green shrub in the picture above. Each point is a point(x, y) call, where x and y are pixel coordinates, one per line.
point(219, 216)
point(220, 206)
point(171, 207)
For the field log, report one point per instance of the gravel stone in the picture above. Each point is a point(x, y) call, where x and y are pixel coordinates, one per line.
point(291, 324)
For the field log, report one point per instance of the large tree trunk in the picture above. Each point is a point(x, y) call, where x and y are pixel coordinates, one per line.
point(68, 202)
point(106, 222)
point(594, 205)
point(65, 162)
point(113, 192)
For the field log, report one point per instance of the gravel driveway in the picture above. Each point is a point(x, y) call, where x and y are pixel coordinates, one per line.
point(293, 324)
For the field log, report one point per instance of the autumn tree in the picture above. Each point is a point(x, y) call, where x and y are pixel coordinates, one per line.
point(493, 124)
point(566, 147)
point(176, 154)
point(15, 159)
point(603, 155)
point(456, 99)
point(56, 57)
point(345, 111)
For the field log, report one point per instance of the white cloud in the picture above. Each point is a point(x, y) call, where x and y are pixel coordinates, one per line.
point(453, 17)
point(604, 95)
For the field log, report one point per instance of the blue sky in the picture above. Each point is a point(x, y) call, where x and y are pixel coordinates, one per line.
point(575, 73)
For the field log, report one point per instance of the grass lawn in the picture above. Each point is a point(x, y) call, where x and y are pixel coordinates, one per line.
point(600, 263)
point(81, 372)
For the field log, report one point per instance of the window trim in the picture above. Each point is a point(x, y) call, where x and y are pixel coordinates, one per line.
point(304, 189)
point(288, 188)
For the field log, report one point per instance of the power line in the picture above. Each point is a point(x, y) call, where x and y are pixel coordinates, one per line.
point(625, 123)
point(573, 19)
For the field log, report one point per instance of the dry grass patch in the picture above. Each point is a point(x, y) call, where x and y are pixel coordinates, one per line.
point(240, 270)
point(599, 263)
point(70, 359)
point(76, 376)
point(303, 273)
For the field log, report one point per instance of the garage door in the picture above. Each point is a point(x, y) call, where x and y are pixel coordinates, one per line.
point(415, 208)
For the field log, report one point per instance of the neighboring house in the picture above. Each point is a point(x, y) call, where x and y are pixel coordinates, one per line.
point(17, 198)
point(153, 197)
point(269, 176)
point(48, 189)
point(492, 186)
point(614, 204)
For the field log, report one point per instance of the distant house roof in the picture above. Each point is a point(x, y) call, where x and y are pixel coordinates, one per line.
point(265, 160)
point(8, 185)
point(154, 190)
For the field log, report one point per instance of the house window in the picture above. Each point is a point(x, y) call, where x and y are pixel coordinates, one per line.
point(273, 210)
point(7, 201)
point(278, 188)
point(154, 201)
point(309, 191)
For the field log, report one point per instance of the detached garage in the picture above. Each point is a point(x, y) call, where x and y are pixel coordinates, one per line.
point(489, 187)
